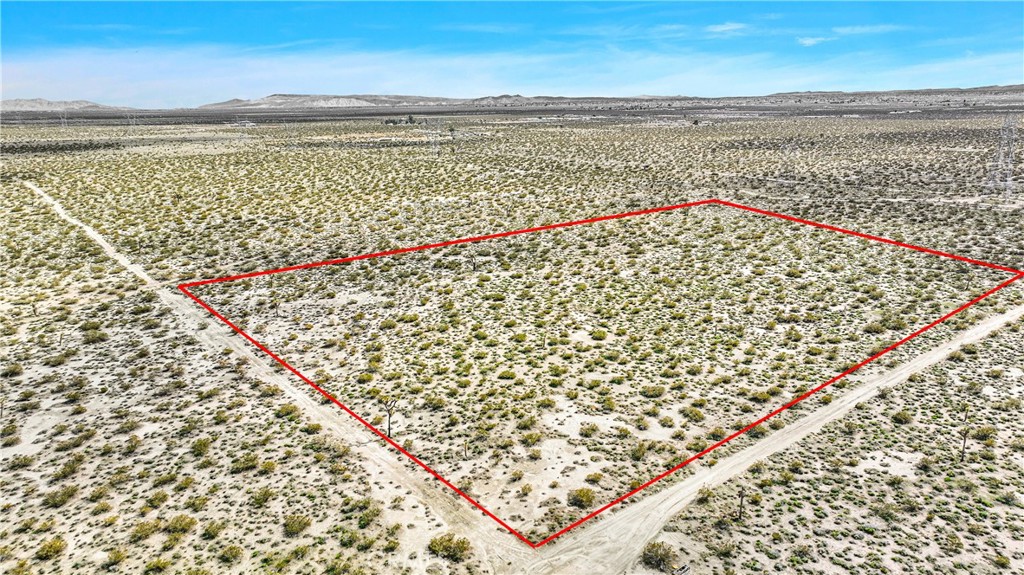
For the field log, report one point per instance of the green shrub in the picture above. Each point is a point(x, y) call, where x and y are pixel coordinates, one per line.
point(658, 555)
point(582, 497)
point(213, 529)
point(12, 370)
point(144, 529)
point(95, 336)
point(902, 417)
point(230, 554)
point(450, 547)
point(180, 524)
point(245, 462)
point(51, 548)
point(295, 524)
point(157, 566)
point(59, 497)
point(201, 446)
point(652, 391)
point(531, 439)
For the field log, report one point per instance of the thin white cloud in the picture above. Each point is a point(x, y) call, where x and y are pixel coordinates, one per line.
point(616, 32)
point(813, 41)
point(111, 27)
point(868, 29)
point(725, 28)
point(483, 28)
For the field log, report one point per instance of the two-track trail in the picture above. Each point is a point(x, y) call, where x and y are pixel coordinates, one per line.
point(610, 544)
point(613, 544)
point(385, 465)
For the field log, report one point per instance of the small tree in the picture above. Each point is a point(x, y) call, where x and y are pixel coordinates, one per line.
point(390, 405)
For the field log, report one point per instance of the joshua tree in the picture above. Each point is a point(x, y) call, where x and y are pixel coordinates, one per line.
point(965, 432)
point(390, 406)
point(742, 494)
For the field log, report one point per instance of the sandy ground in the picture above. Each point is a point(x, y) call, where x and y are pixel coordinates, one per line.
point(611, 544)
point(384, 464)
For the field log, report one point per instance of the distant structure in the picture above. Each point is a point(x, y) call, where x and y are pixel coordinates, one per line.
point(242, 123)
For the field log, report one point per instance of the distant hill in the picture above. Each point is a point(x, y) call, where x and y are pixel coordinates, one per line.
point(947, 97)
point(41, 105)
point(303, 101)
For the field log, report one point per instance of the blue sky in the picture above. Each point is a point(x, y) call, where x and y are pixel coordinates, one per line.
point(185, 54)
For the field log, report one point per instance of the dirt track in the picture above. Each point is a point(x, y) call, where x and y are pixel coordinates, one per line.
point(383, 463)
point(610, 544)
point(613, 544)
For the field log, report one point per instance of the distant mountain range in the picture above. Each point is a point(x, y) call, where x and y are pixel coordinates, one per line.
point(306, 101)
point(41, 105)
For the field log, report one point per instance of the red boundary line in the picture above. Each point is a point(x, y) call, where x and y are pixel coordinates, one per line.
point(1018, 274)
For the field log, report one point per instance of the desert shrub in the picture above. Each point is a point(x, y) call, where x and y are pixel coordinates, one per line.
point(95, 336)
point(531, 439)
point(723, 549)
point(144, 529)
point(230, 554)
point(12, 370)
point(886, 511)
point(295, 524)
point(262, 496)
point(114, 557)
point(213, 529)
point(757, 431)
point(716, 434)
point(693, 414)
point(588, 429)
point(638, 451)
point(288, 411)
point(180, 524)
point(158, 565)
point(51, 548)
point(984, 432)
point(902, 417)
point(20, 462)
point(157, 499)
point(582, 497)
point(652, 391)
point(59, 497)
point(368, 516)
point(658, 555)
point(201, 446)
point(704, 495)
point(450, 547)
point(245, 462)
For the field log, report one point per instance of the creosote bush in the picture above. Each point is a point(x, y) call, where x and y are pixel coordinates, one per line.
point(450, 547)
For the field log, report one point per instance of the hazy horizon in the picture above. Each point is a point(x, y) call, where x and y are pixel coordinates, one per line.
point(180, 55)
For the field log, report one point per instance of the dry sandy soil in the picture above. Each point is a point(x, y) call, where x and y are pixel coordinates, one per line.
point(140, 433)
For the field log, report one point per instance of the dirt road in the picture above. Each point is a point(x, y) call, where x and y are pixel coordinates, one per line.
point(395, 473)
point(613, 544)
point(610, 544)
